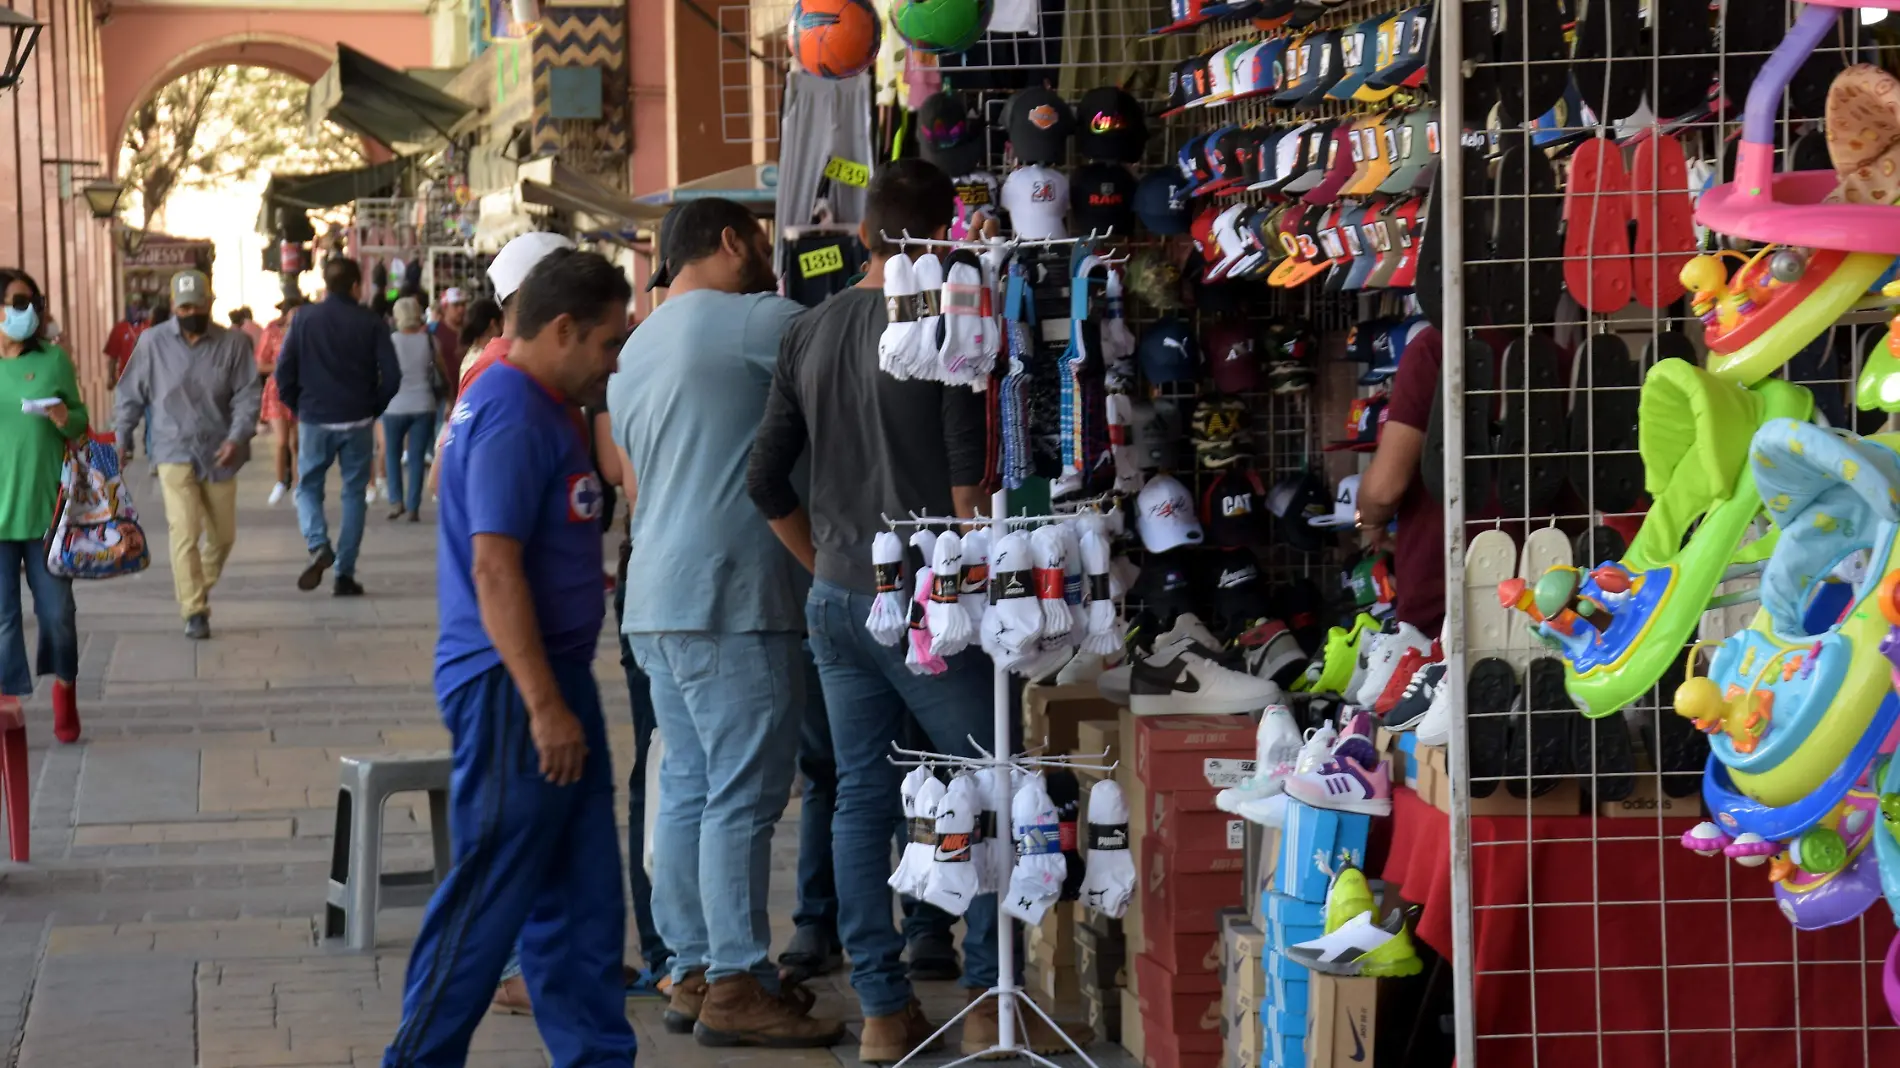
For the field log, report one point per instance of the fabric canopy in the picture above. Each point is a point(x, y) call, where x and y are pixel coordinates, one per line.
point(295, 194)
point(380, 102)
point(568, 190)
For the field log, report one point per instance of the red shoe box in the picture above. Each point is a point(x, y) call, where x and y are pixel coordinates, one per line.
point(1181, 1014)
point(1187, 821)
point(1186, 891)
point(1171, 752)
point(1166, 1050)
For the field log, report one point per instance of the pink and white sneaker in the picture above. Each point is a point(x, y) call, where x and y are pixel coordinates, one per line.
point(1345, 786)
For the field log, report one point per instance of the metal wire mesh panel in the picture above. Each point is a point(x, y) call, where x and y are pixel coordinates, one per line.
point(1616, 520)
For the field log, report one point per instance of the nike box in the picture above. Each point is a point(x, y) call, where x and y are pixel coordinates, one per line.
point(1178, 822)
point(1341, 1022)
point(1311, 832)
point(1172, 752)
point(1181, 1014)
point(1055, 713)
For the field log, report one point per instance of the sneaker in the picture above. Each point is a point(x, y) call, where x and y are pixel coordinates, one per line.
point(312, 575)
point(1345, 785)
point(1271, 651)
point(1411, 661)
point(1267, 809)
point(1188, 631)
point(1413, 705)
point(1340, 656)
point(198, 627)
point(1191, 683)
point(889, 1039)
point(812, 951)
point(1081, 668)
point(1384, 661)
point(347, 586)
point(277, 493)
point(738, 1011)
point(931, 957)
point(684, 1002)
point(1434, 728)
point(1368, 649)
point(1361, 947)
point(1276, 750)
point(1347, 896)
point(1355, 740)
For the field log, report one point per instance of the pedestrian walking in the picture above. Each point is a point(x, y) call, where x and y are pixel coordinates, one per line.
point(194, 385)
point(446, 334)
point(536, 850)
point(713, 617)
point(337, 374)
point(283, 423)
point(409, 423)
point(36, 372)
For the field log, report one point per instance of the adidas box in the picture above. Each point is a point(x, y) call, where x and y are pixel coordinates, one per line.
point(1280, 966)
point(1290, 995)
point(1311, 834)
point(1282, 909)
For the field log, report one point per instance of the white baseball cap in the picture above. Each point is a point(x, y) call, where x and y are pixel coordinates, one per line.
point(1165, 517)
point(518, 257)
point(1345, 506)
point(1036, 197)
point(454, 294)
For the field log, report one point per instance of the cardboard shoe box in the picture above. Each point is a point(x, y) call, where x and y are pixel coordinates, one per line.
point(1133, 1040)
point(1171, 752)
point(1055, 713)
point(1181, 1015)
point(1342, 1021)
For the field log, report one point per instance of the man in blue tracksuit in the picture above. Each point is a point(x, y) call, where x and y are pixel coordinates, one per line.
point(537, 852)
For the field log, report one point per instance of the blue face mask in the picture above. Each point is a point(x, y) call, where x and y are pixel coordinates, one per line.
point(21, 324)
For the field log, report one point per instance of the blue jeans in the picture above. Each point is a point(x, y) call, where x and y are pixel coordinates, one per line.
point(533, 860)
point(728, 706)
point(414, 431)
point(817, 890)
point(868, 690)
point(53, 606)
point(353, 452)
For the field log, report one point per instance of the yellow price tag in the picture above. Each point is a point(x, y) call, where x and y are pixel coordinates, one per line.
point(845, 172)
point(820, 261)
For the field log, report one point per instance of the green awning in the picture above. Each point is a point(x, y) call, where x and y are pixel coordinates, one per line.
point(381, 103)
point(295, 194)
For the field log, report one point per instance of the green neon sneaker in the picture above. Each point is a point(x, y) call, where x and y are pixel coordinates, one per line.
point(1362, 948)
point(1341, 657)
point(1348, 896)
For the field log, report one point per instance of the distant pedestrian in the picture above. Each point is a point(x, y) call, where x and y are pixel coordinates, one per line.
point(32, 452)
point(536, 847)
point(194, 385)
point(446, 333)
point(337, 373)
point(481, 327)
point(409, 422)
point(283, 423)
point(245, 323)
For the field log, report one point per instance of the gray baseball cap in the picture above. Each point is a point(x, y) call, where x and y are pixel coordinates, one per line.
point(191, 287)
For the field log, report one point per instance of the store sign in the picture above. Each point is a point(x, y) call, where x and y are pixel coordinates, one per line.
point(174, 254)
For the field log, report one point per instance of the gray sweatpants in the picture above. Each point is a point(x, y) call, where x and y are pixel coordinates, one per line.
point(822, 119)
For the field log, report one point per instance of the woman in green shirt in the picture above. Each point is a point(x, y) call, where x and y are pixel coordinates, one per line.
point(40, 411)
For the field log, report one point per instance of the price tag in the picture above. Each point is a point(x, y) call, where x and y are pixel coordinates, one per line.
point(845, 172)
point(1224, 773)
point(820, 261)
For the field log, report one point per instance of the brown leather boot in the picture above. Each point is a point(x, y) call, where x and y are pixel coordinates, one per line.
point(981, 1031)
point(511, 998)
point(683, 1004)
point(889, 1039)
point(739, 1012)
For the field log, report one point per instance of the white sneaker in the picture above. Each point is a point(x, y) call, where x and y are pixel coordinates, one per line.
point(1361, 947)
point(1345, 786)
point(277, 493)
point(1268, 808)
point(1384, 660)
point(1276, 750)
point(1083, 667)
point(1435, 728)
point(1190, 683)
point(1187, 630)
point(1369, 647)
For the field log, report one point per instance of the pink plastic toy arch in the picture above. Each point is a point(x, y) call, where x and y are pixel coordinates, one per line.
point(1786, 209)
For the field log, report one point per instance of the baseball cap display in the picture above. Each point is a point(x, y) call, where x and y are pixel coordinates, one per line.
point(1219, 427)
point(1292, 502)
point(1161, 202)
point(1039, 124)
point(1110, 126)
point(1328, 69)
point(511, 265)
point(1165, 588)
point(1100, 196)
point(1345, 511)
point(1167, 352)
point(1155, 433)
point(1359, 47)
point(1165, 515)
point(1234, 508)
point(1036, 198)
point(1364, 419)
point(1231, 360)
point(1411, 33)
point(949, 135)
point(1239, 598)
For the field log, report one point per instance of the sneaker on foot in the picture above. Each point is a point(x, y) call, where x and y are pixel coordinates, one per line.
point(740, 1012)
point(1361, 947)
point(347, 586)
point(1345, 785)
point(198, 627)
point(890, 1038)
point(65, 712)
point(277, 493)
point(312, 575)
point(397, 513)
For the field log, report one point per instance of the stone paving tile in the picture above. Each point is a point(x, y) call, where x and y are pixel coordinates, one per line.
point(182, 850)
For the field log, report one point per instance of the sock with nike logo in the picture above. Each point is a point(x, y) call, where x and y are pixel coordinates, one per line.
point(914, 865)
point(913, 783)
point(1050, 560)
point(973, 583)
point(953, 875)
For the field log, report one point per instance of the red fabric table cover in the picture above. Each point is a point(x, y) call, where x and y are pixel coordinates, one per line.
point(1739, 986)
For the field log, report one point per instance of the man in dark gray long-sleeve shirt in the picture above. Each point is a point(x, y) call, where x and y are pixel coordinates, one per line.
point(878, 445)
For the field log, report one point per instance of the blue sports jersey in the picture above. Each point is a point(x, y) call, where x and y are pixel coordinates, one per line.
point(514, 463)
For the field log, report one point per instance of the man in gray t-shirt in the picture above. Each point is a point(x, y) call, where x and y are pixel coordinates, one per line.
point(715, 617)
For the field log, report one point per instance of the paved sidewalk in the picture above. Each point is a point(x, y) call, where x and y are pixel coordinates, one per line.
point(169, 916)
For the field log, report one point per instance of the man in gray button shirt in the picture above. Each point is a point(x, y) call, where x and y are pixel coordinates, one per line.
point(195, 384)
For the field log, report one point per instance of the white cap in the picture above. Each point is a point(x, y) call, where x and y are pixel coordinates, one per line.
point(518, 257)
point(1345, 505)
point(1231, 246)
point(1036, 198)
point(1165, 515)
point(454, 294)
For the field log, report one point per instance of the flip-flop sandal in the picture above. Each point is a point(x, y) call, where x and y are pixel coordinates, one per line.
point(1600, 750)
point(1668, 345)
point(1605, 468)
point(1545, 547)
point(1489, 695)
point(1676, 748)
point(1479, 66)
point(1531, 424)
point(1747, 43)
point(1665, 219)
point(1478, 433)
point(1598, 545)
point(1528, 233)
point(1614, 88)
point(1688, 68)
point(1490, 559)
point(1533, 58)
point(1807, 90)
point(1596, 227)
point(1539, 746)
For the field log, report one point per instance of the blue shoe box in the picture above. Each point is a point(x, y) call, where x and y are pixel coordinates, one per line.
point(1315, 841)
point(1289, 995)
point(1289, 1024)
point(1408, 744)
point(1291, 1050)
point(1280, 966)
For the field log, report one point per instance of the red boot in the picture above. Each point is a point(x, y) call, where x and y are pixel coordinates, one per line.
point(65, 712)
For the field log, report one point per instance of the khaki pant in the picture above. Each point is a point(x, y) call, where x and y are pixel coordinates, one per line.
point(195, 508)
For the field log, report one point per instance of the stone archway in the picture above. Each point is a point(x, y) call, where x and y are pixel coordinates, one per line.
point(304, 60)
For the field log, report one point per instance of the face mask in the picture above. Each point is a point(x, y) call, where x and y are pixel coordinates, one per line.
point(21, 323)
point(195, 324)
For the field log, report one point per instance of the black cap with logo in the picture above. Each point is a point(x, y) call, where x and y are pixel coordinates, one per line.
point(950, 135)
point(1234, 509)
point(1102, 195)
point(1110, 126)
point(1039, 124)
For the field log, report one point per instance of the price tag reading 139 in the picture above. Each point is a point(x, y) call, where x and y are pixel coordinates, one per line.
point(820, 261)
point(845, 172)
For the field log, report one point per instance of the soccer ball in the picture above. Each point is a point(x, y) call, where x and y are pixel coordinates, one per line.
point(834, 38)
point(940, 27)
